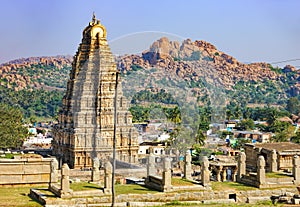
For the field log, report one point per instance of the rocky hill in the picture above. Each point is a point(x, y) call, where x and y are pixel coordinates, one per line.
point(49, 73)
point(196, 68)
point(201, 65)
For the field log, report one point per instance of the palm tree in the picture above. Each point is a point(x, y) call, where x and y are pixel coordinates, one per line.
point(200, 137)
point(228, 115)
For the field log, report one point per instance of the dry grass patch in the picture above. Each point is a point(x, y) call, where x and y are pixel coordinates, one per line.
point(276, 175)
point(221, 186)
point(181, 182)
point(82, 186)
point(17, 197)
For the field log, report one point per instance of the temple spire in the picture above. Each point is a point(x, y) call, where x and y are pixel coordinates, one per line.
point(94, 18)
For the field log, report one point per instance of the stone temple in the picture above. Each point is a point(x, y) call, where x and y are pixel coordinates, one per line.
point(86, 121)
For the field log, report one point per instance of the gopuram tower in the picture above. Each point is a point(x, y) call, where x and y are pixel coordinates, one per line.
point(86, 121)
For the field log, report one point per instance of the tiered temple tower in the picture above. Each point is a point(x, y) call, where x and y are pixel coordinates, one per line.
point(86, 121)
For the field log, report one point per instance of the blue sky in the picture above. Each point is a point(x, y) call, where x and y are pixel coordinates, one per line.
point(250, 30)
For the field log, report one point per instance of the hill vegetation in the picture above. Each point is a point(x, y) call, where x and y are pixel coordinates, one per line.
point(168, 75)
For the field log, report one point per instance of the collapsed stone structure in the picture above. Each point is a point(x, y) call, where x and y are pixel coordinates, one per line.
point(261, 180)
point(163, 183)
point(86, 121)
point(278, 156)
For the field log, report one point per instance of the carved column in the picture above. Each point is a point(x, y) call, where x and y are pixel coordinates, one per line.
point(241, 166)
point(53, 172)
point(218, 176)
point(151, 165)
point(95, 170)
point(65, 190)
point(224, 174)
point(107, 177)
point(167, 176)
point(188, 166)
point(296, 169)
point(261, 174)
point(274, 161)
point(234, 174)
point(205, 173)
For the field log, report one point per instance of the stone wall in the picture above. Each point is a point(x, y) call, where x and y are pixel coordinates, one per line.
point(207, 196)
point(25, 171)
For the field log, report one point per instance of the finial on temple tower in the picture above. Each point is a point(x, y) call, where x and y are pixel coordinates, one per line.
point(94, 18)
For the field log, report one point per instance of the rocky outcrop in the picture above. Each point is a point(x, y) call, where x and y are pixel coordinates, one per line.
point(25, 73)
point(198, 59)
point(191, 61)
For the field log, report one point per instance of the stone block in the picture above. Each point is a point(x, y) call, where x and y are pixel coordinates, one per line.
point(254, 200)
point(36, 168)
point(219, 201)
point(10, 179)
point(6, 168)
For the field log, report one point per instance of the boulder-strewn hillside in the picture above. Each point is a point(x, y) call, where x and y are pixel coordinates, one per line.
point(195, 67)
point(36, 72)
point(200, 64)
point(35, 85)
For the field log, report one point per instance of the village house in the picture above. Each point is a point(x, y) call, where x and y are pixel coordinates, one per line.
point(262, 137)
point(156, 148)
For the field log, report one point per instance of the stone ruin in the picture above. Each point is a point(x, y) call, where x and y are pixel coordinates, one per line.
point(188, 166)
point(259, 178)
point(163, 183)
point(63, 190)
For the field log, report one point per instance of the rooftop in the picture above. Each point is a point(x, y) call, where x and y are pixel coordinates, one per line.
point(279, 146)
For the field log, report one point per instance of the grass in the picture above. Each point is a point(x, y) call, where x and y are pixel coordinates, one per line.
point(181, 182)
point(276, 175)
point(217, 186)
point(17, 197)
point(134, 189)
point(9, 156)
point(82, 186)
point(120, 189)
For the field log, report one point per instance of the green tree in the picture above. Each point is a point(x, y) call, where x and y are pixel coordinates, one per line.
point(200, 137)
point(176, 115)
point(12, 131)
point(229, 114)
point(296, 138)
point(293, 105)
point(284, 132)
point(246, 124)
point(280, 137)
point(237, 112)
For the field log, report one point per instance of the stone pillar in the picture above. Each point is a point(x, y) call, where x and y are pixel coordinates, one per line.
point(219, 171)
point(167, 181)
point(241, 166)
point(151, 165)
point(296, 169)
point(261, 174)
point(53, 172)
point(234, 174)
point(224, 174)
point(205, 173)
point(65, 190)
point(273, 161)
point(95, 170)
point(188, 166)
point(107, 177)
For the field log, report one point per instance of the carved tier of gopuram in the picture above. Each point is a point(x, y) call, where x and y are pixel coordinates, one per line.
point(86, 121)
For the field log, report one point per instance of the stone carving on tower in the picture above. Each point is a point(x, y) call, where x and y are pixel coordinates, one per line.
point(86, 120)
